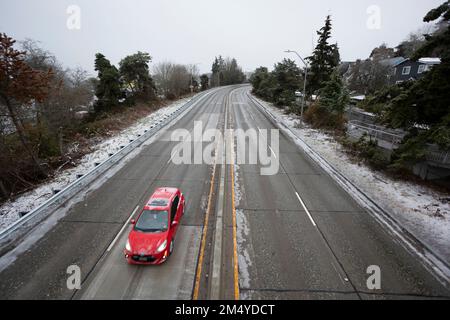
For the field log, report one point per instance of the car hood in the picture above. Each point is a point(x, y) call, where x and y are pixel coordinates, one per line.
point(146, 243)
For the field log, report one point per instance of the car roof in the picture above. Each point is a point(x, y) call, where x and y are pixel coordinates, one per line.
point(164, 193)
point(161, 194)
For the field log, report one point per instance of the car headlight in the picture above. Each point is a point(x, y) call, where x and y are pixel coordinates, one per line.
point(127, 246)
point(162, 247)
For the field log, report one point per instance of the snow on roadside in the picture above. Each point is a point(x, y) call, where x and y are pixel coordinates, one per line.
point(422, 211)
point(11, 210)
point(242, 235)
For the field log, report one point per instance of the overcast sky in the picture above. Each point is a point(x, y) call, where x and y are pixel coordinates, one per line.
point(255, 32)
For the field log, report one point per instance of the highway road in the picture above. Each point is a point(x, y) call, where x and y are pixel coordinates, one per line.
point(303, 237)
point(292, 235)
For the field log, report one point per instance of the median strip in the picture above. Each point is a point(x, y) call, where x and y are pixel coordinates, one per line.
point(205, 231)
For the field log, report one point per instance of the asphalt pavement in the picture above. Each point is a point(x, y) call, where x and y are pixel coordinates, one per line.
point(292, 235)
point(303, 237)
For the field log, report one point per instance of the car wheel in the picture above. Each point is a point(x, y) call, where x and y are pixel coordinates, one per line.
point(171, 247)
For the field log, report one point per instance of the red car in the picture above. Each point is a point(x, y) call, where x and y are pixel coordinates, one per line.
point(152, 238)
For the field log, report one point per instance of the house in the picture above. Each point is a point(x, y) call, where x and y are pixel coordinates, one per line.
point(407, 69)
point(391, 64)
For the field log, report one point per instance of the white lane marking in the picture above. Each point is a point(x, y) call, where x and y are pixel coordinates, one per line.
point(170, 159)
point(121, 230)
point(273, 152)
point(306, 209)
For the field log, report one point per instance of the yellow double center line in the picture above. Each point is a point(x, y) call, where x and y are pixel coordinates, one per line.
point(205, 227)
point(235, 256)
point(233, 207)
point(205, 231)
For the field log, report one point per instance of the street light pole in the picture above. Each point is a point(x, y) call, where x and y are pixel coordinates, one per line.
point(304, 83)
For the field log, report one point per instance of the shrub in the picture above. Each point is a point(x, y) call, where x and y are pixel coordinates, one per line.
point(367, 149)
point(319, 117)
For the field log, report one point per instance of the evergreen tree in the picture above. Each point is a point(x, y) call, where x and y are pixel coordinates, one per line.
point(334, 96)
point(422, 108)
point(288, 77)
point(232, 73)
point(108, 90)
point(427, 101)
point(226, 72)
point(204, 81)
point(324, 60)
point(134, 72)
point(328, 111)
point(264, 83)
point(278, 86)
point(217, 71)
point(257, 78)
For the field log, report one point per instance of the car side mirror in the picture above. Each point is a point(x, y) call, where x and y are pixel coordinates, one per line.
point(174, 223)
point(133, 221)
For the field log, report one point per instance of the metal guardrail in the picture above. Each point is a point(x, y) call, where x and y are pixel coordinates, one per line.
point(377, 132)
point(42, 211)
point(354, 113)
point(434, 154)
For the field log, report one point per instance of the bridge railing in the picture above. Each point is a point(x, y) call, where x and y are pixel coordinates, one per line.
point(436, 155)
point(393, 137)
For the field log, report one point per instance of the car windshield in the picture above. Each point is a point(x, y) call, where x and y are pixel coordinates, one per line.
point(152, 221)
point(158, 202)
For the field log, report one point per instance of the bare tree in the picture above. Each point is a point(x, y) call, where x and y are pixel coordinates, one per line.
point(69, 91)
point(180, 80)
point(20, 87)
point(82, 90)
point(367, 76)
point(172, 80)
point(415, 40)
point(162, 73)
point(194, 74)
